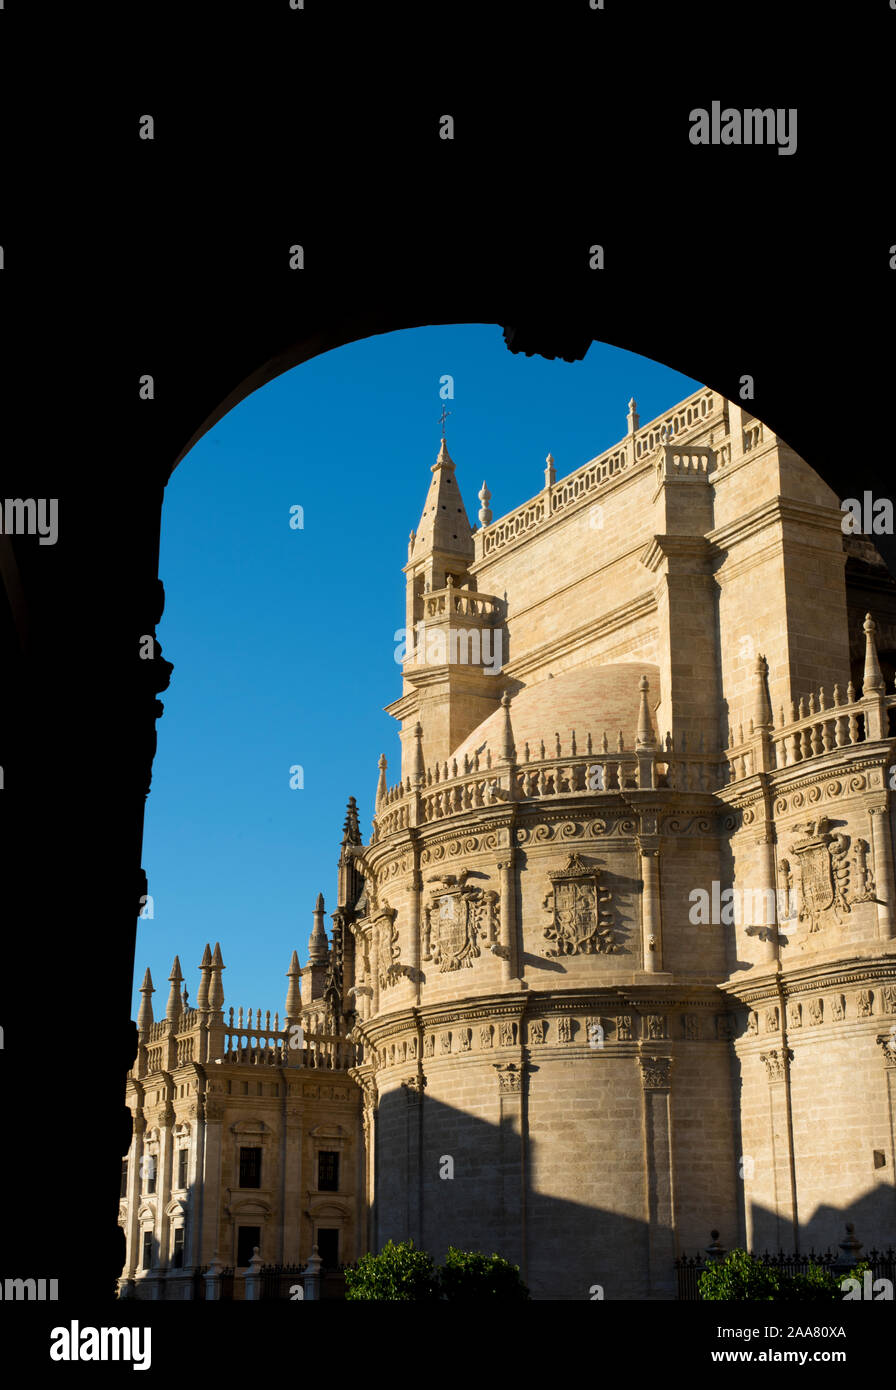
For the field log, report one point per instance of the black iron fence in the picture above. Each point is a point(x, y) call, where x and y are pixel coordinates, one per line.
point(882, 1263)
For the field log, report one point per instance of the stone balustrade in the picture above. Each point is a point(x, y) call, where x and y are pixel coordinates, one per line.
point(816, 726)
point(576, 770)
point(465, 603)
point(698, 412)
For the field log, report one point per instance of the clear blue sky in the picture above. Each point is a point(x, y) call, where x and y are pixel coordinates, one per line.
point(283, 640)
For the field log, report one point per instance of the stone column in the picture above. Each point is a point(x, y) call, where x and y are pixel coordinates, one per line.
point(660, 1183)
point(777, 1064)
point(414, 898)
point(193, 1243)
point(765, 854)
point(511, 1081)
point(509, 969)
point(211, 1176)
point(163, 1185)
point(292, 1171)
point(882, 859)
point(414, 1088)
point(134, 1231)
point(651, 904)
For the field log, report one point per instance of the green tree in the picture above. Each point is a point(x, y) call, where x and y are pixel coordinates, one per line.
point(398, 1272)
point(741, 1277)
point(468, 1274)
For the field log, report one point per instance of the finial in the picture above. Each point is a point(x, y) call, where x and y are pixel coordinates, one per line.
point(381, 787)
point(144, 1018)
point(417, 768)
point(294, 992)
point(550, 473)
point(175, 1003)
point(762, 709)
point(351, 830)
point(872, 680)
point(443, 417)
point(216, 984)
point(645, 737)
point(318, 945)
point(634, 419)
point(205, 971)
point(507, 748)
point(485, 515)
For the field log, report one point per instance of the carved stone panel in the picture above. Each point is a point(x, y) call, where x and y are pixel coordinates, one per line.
point(580, 910)
point(457, 917)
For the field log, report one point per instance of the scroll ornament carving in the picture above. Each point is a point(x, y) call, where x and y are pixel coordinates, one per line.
point(580, 910)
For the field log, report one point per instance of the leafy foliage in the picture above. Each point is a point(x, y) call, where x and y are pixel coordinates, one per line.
point(741, 1277)
point(397, 1272)
point(467, 1274)
point(403, 1272)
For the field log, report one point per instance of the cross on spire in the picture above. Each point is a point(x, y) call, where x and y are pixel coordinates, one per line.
point(443, 417)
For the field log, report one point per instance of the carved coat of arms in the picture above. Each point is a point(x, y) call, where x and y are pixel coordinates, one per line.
point(456, 917)
point(582, 922)
point(822, 869)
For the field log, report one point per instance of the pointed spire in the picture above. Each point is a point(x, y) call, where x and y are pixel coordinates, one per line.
point(762, 709)
point(550, 472)
point(205, 973)
point(294, 993)
point(144, 1017)
point(175, 1003)
point(417, 769)
point(381, 787)
point(645, 737)
point(872, 681)
point(444, 525)
point(634, 419)
point(485, 514)
point(216, 984)
point(351, 830)
point(318, 945)
point(507, 749)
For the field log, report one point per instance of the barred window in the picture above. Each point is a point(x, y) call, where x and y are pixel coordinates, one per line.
point(250, 1167)
point(327, 1171)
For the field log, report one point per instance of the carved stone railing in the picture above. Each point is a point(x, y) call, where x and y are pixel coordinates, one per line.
point(590, 770)
point(813, 729)
point(268, 1047)
point(464, 603)
point(695, 413)
point(684, 463)
point(698, 412)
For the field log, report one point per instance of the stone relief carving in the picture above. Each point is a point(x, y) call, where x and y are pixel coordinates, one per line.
point(822, 870)
point(655, 1072)
point(580, 909)
point(389, 968)
point(776, 1062)
point(454, 920)
point(864, 1003)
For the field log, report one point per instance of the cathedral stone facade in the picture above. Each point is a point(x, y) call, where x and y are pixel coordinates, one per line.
point(617, 964)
